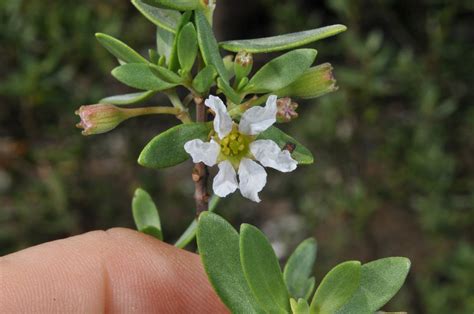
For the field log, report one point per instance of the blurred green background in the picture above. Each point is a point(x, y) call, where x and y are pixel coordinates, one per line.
point(394, 171)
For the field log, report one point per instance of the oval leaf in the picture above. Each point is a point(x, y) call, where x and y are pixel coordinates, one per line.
point(282, 42)
point(187, 47)
point(315, 82)
point(204, 79)
point(164, 18)
point(208, 45)
point(281, 71)
point(218, 244)
point(173, 62)
point(119, 49)
point(164, 43)
point(140, 76)
point(167, 148)
point(146, 215)
point(298, 269)
point(300, 153)
point(128, 99)
point(180, 5)
point(380, 281)
point(165, 74)
point(336, 288)
point(262, 270)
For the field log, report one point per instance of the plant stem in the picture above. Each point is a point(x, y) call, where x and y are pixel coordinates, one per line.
point(200, 172)
point(135, 112)
point(190, 233)
point(183, 114)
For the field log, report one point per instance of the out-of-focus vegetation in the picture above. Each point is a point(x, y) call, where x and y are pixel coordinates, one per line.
point(394, 171)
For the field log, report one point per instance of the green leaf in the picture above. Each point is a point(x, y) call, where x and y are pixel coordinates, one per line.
point(145, 214)
point(164, 18)
point(380, 281)
point(299, 307)
point(180, 5)
point(262, 270)
point(282, 42)
point(208, 45)
point(119, 49)
point(140, 76)
point(173, 63)
point(281, 71)
point(128, 99)
point(218, 244)
point(164, 43)
point(187, 47)
point(190, 232)
point(154, 56)
point(336, 288)
point(315, 82)
point(301, 154)
point(204, 79)
point(228, 91)
point(165, 74)
point(167, 148)
point(298, 269)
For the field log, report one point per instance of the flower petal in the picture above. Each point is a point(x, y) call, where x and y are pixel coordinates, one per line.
point(222, 120)
point(269, 154)
point(225, 182)
point(252, 179)
point(257, 119)
point(206, 152)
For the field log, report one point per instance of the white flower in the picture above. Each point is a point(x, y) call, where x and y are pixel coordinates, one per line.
point(235, 149)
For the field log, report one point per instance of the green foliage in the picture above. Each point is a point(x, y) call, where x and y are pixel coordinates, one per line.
point(218, 244)
point(314, 83)
point(282, 42)
point(128, 99)
point(336, 288)
point(119, 49)
point(379, 281)
point(257, 274)
point(281, 71)
point(262, 270)
point(204, 79)
point(187, 47)
point(301, 154)
point(140, 76)
point(298, 270)
point(167, 148)
point(165, 74)
point(208, 45)
point(163, 18)
point(180, 5)
point(146, 215)
point(299, 307)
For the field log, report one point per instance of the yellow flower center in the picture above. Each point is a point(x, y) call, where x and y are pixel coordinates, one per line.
point(235, 146)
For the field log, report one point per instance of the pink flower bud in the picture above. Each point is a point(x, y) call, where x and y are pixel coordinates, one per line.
point(100, 118)
point(286, 110)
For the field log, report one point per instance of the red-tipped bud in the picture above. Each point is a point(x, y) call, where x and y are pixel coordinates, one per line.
point(286, 110)
point(100, 118)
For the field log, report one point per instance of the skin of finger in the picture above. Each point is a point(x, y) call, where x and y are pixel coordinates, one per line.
point(116, 271)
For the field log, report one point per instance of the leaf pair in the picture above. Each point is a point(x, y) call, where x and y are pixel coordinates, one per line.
point(233, 267)
point(167, 148)
point(245, 273)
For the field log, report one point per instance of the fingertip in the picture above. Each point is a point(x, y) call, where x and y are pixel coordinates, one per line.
point(118, 270)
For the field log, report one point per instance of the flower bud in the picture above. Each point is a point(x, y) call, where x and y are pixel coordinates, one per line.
point(100, 118)
point(243, 64)
point(286, 110)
